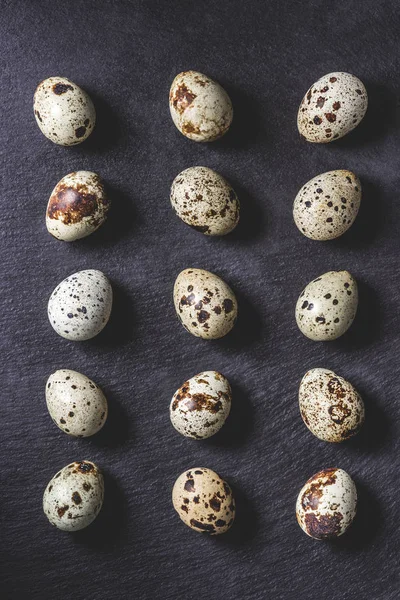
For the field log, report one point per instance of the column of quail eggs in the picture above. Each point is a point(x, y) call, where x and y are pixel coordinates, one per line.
point(206, 306)
point(324, 209)
point(79, 306)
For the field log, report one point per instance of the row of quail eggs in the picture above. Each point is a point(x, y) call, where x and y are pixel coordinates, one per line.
point(80, 306)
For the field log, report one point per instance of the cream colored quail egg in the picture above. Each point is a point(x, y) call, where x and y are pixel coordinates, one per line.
point(326, 505)
point(75, 403)
point(78, 205)
point(204, 501)
point(201, 405)
point(205, 304)
point(327, 306)
point(327, 205)
point(200, 108)
point(74, 496)
point(330, 406)
point(64, 112)
point(204, 200)
point(80, 306)
point(332, 107)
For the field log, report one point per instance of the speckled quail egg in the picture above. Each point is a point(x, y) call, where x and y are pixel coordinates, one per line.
point(75, 403)
point(204, 501)
point(332, 107)
point(200, 108)
point(80, 306)
point(201, 405)
point(330, 406)
point(327, 306)
point(64, 112)
point(78, 205)
point(74, 497)
point(204, 200)
point(327, 205)
point(326, 505)
point(205, 304)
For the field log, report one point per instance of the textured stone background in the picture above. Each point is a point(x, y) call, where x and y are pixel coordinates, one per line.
point(266, 54)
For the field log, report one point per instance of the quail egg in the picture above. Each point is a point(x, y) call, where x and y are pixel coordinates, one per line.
point(332, 107)
point(78, 205)
point(64, 112)
point(330, 406)
point(204, 501)
point(327, 306)
point(75, 403)
point(74, 497)
point(201, 405)
point(327, 205)
point(80, 306)
point(204, 200)
point(205, 304)
point(326, 505)
point(200, 108)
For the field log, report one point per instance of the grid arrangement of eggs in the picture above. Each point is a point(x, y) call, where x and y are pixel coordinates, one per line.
point(80, 306)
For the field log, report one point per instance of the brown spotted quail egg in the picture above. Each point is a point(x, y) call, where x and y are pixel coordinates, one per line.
point(74, 497)
point(205, 304)
point(332, 107)
point(64, 112)
point(75, 403)
point(326, 505)
point(78, 205)
point(330, 406)
point(200, 108)
point(327, 306)
point(327, 205)
point(204, 200)
point(80, 306)
point(204, 501)
point(201, 405)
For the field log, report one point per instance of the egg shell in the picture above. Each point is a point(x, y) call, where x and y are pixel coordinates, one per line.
point(75, 403)
point(204, 501)
point(327, 306)
point(332, 107)
point(78, 205)
point(80, 306)
point(327, 205)
point(205, 304)
point(330, 406)
point(204, 200)
point(64, 112)
point(200, 108)
point(74, 496)
point(326, 505)
point(200, 407)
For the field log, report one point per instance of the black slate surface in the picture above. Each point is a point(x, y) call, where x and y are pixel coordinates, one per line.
point(266, 54)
